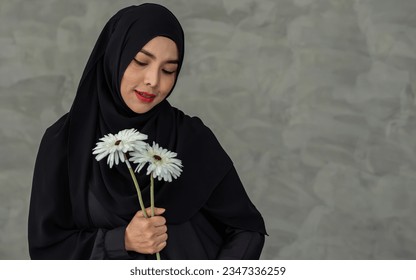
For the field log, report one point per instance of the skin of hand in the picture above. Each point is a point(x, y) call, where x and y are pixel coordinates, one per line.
point(146, 235)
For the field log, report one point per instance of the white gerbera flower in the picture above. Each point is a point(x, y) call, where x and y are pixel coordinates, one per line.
point(162, 162)
point(162, 165)
point(116, 146)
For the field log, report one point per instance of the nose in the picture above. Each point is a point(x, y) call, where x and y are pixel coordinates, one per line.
point(151, 78)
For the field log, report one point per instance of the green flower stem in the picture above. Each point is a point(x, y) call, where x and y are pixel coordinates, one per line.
point(152, 194)
point(152, 202)
point(136, 184)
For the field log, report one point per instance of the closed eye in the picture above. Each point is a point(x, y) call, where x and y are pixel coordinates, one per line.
point(168, 72)
point(139, 62)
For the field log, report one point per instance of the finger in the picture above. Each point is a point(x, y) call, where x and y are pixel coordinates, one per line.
point(162, 238)
point(139, 214)
point(157, 221)
point(158, 211)
point(157, 243)
point(161, 246)
point(161, 230)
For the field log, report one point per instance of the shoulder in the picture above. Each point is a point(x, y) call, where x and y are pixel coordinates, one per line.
point(57, 127)
point(187, 120)
point(191, 123)
point(57, 132)
point(53, 148)
point(196, 133)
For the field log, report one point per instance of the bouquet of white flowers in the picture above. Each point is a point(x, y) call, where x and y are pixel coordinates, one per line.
point(128, 145)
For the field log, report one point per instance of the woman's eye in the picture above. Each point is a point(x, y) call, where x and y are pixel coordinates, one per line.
point(140, 62)
point(168, 72)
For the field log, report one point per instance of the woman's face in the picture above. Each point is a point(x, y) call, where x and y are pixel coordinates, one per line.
point(150, 75)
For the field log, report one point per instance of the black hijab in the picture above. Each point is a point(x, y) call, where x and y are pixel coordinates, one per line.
point(99, 109)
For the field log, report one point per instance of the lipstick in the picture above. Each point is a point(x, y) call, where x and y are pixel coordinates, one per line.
point(145, 96)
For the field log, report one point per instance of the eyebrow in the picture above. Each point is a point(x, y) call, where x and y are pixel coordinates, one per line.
point(149, 54)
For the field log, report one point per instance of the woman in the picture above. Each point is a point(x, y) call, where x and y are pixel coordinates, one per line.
point(82, 209)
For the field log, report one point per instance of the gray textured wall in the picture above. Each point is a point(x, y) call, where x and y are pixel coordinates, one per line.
point(313, 99)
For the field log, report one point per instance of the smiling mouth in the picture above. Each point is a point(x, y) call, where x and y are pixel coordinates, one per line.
point(145, 96)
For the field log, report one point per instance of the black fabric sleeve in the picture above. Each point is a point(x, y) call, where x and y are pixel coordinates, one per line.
point(244, 228)
point(241, 245)
point(109, 244)
point(52, 230)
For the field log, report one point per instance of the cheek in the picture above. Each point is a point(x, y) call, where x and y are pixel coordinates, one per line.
point(168, 84)
point(127, 81)
point(124, 89)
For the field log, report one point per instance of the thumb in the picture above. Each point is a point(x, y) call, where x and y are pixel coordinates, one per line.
point(158, 211)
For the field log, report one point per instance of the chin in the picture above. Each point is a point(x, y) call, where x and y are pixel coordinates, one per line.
point(141, 110)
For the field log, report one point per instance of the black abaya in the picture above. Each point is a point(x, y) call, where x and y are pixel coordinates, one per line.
point(80, 207)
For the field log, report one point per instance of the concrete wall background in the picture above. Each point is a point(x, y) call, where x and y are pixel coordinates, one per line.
point(313, 99)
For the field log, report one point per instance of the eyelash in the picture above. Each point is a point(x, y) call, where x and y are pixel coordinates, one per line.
point(168, 72)
point(144, 64)
point(139, 62)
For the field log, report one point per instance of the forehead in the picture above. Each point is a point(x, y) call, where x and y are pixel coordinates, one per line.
point(161, 47)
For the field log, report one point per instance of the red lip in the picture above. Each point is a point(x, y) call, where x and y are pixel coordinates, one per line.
point(145, 96)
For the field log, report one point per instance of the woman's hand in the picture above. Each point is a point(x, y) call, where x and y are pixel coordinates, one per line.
point(146, 235)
